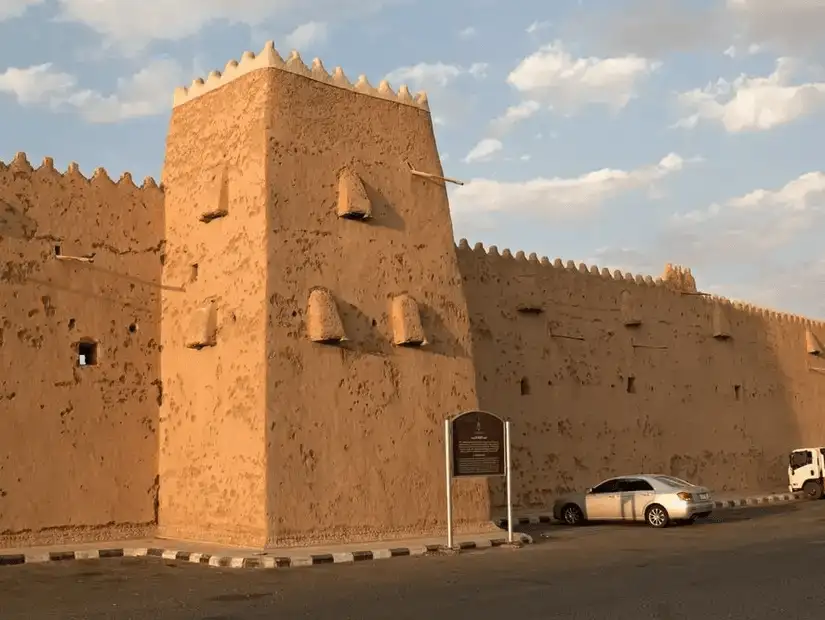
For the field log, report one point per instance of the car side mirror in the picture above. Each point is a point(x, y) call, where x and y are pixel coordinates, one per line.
point(589, 491)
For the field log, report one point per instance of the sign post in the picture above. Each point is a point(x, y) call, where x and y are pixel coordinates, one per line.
point(448, 460)
point(477, 445)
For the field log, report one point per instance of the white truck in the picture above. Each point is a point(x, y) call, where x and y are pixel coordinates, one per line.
point(806, 471)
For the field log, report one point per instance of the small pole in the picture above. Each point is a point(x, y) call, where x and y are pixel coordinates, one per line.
point(433, 177)
point(79, 259)
point(448, 469)
point(509, 482)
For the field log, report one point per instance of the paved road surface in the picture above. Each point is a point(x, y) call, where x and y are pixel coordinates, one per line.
point(756, 564)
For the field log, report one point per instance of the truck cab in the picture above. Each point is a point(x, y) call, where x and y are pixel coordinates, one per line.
point(806, 471)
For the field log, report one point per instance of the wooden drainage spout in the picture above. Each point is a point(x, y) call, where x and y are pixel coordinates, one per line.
point(433, 177)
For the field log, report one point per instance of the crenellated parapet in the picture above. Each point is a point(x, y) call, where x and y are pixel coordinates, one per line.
point(99, 178)
point(493, 253)
point(680, 281)
point(269, 58)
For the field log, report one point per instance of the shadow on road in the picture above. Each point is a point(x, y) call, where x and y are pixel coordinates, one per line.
point(547, 532)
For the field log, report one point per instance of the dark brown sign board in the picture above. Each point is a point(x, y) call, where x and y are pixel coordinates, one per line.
point(478, 445)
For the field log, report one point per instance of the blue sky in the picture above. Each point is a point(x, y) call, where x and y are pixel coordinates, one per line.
point(639, 132)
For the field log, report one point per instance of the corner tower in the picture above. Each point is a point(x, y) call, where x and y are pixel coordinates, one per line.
point(319, 332)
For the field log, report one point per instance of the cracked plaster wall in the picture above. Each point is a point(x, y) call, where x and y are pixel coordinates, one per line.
point(78, 446)
point(561, 375)
point(212, 458)
point(355, 432)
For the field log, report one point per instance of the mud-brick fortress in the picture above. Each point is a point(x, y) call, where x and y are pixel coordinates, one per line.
point(263, 348)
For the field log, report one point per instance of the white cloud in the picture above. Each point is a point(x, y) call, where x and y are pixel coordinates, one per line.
point(804, 192)
point(35, 85)
point(432, 76)
point(748, 227)
point(513, 115)
point(467, 33)
point(754, 103)
point(574, 197)
point(425, 74)
point(735, 52)
point(146, 93)
point(554, 76)
point(484, 150)
point(478, 69)
point(305, 35)
point(536, 26)
point(748, 237)
point(131, 24)
point(10, 9)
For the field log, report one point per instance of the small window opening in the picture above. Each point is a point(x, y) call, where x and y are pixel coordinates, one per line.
point(57, 250)
point(193, 272)
point(631, 385)
point(133, 328)
point(87, 353)
point(71, 323)
point(525, 386)
point(737, 392)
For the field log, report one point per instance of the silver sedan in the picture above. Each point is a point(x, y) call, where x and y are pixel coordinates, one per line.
point(656, 499)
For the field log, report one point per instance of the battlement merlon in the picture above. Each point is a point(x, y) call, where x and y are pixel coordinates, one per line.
point(270, 59)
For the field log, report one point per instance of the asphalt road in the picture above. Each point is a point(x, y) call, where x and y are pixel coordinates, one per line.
point(753, 564)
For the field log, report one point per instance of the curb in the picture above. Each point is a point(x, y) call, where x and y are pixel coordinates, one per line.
point(760, 500)
point(258, 561)
point(754, 500)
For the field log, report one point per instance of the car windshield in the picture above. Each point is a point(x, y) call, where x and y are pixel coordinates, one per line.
point(674, 482)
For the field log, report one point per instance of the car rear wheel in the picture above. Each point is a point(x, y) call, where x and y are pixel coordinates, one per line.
point(572, 515)
point(656, 516)
point(812, 489)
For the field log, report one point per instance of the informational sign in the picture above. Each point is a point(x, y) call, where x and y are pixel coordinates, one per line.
point(478, 448)
point(477, 444)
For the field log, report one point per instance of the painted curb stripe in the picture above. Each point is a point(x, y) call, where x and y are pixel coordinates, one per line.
point(348, 557)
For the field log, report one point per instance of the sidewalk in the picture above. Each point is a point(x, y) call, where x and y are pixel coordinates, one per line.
point(236, 557)
point(722, 501)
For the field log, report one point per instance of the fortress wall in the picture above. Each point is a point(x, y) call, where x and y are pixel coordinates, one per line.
point(78, 445)
point(723, 412)
point(212, 465)
point(355, 429)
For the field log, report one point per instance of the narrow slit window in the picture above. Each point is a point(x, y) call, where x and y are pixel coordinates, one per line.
point(737, 392)
point(631, 385)
point(87, 353)
point(525, 386)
